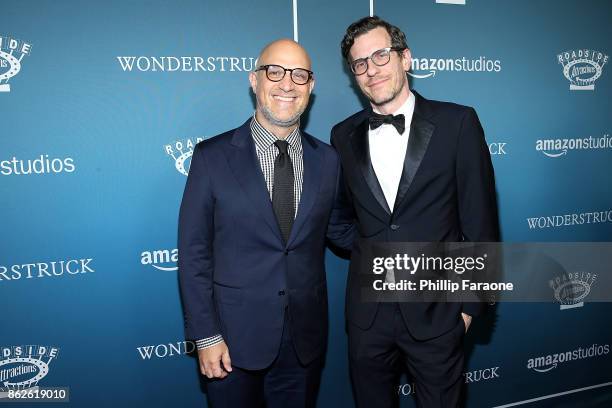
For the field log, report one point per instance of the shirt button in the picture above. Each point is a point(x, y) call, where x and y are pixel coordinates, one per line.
point(394, 227)
point(281, 293)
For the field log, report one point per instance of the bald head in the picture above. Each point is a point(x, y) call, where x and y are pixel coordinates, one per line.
point(285, 52)
point(282, 84)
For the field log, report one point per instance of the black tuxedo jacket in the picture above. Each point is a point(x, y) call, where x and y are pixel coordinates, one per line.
point(446, 193)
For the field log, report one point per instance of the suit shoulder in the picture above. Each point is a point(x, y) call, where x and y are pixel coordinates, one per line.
point(444, 108)
point(314, 141)
point(326, 148)
point(216, 141)
point(344, 127)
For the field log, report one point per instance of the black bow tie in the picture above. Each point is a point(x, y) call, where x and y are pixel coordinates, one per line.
point(376, 120)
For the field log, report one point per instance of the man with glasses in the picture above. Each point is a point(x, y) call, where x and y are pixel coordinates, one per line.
point(257, 208)
point(416, 170)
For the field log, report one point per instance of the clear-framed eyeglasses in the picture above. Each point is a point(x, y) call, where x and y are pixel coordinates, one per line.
point(379, 57)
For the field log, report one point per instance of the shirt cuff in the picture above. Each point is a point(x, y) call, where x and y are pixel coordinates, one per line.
point(209, 341)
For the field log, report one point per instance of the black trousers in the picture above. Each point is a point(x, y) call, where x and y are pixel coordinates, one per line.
point(285, 384)
point(379, 354)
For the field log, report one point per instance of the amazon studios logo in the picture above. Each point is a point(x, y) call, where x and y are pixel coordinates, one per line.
point(560, 147)
point(12, 52)
point(160, 259)
point(544, 364)
point(43, 164)
point(582, 68)
point(428, 67)
point(22, 367)
point(181, 152)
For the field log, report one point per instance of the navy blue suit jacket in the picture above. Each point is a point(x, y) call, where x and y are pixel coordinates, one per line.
point(236, 275)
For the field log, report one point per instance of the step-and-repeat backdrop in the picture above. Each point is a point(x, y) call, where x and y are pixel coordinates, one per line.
point(101, 103)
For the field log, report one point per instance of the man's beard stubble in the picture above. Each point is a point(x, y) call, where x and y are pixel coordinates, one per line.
point(269, 115)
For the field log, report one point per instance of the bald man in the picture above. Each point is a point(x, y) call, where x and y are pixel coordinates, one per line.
point(259, 203)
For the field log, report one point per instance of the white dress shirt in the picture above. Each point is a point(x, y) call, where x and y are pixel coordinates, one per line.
point(388, 151)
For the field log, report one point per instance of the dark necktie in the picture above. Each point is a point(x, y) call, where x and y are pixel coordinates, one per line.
point(282, 190)
point(376, 120)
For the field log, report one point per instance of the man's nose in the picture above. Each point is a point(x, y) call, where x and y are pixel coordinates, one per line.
point(373, 69)
point(286, 84)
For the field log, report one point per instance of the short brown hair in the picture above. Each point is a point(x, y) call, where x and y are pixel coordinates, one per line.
point(366, 24)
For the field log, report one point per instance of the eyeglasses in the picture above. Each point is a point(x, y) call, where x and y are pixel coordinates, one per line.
point(276, 73)
point(380, 57)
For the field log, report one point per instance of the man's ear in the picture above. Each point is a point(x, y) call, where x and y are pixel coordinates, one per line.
point(406, 59)
point(311, 84)
point(253, 81)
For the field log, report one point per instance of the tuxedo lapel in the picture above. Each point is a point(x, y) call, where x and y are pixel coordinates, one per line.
point(243, 161)
point(421, 130)
point(361, 149)
point(310, 188)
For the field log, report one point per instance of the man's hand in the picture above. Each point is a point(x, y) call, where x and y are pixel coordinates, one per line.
point(467, 320)
point(215, 361)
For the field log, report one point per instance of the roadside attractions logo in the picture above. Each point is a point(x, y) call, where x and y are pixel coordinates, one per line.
point(181, 151)
point(570, 289)
point(22, 367)
point(12, 52)
point(582, 67)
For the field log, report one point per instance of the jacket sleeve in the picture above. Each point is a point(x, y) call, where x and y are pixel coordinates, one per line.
point(476, 183)
point(342, 226)
point(476, 190)
point(195, 241)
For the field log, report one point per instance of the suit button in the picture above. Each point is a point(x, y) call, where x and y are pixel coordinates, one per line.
point(394, 227)
point(281, 293)
point(286, 252)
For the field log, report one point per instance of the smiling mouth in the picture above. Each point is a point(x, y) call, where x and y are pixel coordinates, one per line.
point(378, 82)
point(284, 98)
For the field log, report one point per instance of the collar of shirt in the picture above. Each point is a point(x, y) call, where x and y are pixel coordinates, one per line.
point(388, 152)
point(407, 109)
point(264, 139)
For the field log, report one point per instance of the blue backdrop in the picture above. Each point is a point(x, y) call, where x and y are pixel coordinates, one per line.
point(102, 101)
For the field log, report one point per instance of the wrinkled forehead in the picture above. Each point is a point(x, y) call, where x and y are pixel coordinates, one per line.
point(366, 43)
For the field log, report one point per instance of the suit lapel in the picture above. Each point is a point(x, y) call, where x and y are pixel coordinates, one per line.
point(243, 161)
point(361, 149)
point(311, 184)
point(421, 130)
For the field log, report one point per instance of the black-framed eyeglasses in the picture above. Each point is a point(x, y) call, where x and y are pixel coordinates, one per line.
point(379, 57)
point(276, 73)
